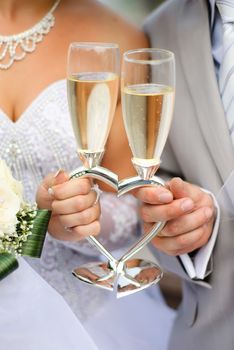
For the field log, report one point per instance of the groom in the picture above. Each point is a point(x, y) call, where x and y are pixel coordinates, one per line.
point(200, 150)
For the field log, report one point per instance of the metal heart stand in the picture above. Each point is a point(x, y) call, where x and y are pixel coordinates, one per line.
point(126, 275)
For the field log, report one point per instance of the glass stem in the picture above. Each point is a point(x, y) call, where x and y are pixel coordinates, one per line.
point(143, 241)
point(92, 240)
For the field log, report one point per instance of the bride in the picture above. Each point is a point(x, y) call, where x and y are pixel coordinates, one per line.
point(36, 138)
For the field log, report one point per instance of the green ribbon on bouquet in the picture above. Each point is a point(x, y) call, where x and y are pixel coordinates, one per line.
point(31, 247)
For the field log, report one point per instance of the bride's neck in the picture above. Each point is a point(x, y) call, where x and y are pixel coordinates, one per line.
point(19, 15)
point(14, 9)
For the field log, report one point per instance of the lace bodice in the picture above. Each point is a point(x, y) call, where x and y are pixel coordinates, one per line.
point(41, 142)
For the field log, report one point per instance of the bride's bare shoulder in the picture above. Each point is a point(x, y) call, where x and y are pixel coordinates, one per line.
point(89, 20)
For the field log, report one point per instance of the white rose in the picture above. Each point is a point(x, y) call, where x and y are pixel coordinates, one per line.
point(11, 197)
point(6, 176)
point(9, 207)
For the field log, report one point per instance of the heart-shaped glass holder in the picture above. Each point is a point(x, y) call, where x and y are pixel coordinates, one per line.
point(147, 87)
point(126, 275)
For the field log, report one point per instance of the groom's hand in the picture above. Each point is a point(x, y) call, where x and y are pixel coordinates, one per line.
point(188, 211)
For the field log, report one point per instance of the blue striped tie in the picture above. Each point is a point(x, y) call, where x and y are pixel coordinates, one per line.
point(226, 73)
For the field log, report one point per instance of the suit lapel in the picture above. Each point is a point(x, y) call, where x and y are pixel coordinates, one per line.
point(197, 63)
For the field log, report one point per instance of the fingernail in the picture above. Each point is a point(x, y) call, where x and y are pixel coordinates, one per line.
point(58, 172)
point(51, 191)
point(165, 197)
point(208, 213)
point(187, 205)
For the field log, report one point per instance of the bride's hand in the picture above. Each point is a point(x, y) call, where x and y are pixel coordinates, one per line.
point(75, 210)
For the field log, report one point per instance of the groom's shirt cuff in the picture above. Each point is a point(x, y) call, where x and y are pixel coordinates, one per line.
point(196, 266)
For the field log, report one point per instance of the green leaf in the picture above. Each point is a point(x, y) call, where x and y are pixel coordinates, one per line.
point(32, 247)
point(34, 244)
point(8, 264)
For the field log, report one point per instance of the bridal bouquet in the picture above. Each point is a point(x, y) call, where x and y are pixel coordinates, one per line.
point(22, 226)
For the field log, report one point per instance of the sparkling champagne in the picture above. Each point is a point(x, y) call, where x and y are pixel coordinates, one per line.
point(92, 101)
point(147, 112)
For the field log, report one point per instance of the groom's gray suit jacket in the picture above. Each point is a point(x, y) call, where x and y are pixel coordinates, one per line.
point(200, 150)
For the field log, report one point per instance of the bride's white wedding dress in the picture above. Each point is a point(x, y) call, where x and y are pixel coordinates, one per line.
point(41, 142)
point(33, 316)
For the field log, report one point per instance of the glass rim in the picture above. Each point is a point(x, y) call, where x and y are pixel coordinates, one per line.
point(170, 56)
point(93, 44)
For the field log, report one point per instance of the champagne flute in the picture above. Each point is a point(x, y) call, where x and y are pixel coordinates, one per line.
point(92, 84)
point(92, 88)
point(148, 92)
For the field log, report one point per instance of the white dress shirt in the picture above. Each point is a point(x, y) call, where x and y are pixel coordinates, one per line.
point(197, 267)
